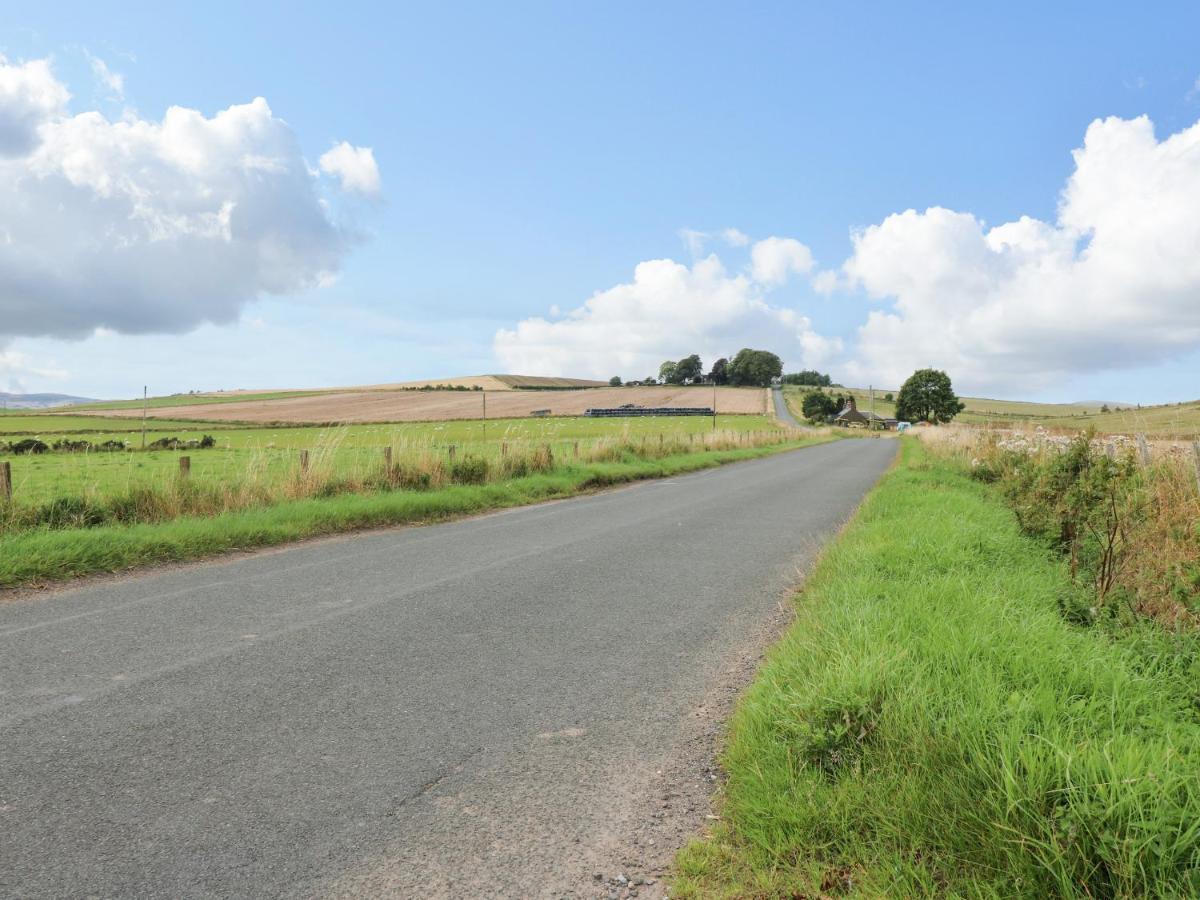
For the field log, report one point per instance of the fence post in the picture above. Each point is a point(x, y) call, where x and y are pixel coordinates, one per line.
point(576, 449)
point(504, 448)
point(1195, 459)
point(5, 481)
point(185, 466)
point(450, 450)
point(387, 458)
point(303, 460)
point(1143, 449)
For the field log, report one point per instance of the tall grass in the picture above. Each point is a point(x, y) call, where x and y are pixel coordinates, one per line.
point(932, 726)
point(188, 518)
point(1130, 531)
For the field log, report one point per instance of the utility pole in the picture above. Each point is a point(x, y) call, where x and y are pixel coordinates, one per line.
point(145, 403)
point(714, 405)
point(871, 388)
point(485, 416)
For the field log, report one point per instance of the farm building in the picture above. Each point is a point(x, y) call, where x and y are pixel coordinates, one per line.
point(852, 417)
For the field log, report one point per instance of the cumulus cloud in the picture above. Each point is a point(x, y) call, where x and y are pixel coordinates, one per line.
point(1113, 282)
point(774, 259)
point(355, 167)
point(667, 311)
point(30, 96)
point(142, 226)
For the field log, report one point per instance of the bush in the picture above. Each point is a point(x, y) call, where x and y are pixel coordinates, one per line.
point(470, 470)
point(28, 445)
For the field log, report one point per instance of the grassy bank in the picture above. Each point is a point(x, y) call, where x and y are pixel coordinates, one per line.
point(47, 554)
point(932, 724)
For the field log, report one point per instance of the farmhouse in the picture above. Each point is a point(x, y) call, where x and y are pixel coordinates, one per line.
point(851, 417)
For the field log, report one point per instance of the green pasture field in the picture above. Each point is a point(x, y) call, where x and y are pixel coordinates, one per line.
point(192, 400)
point(273, 452)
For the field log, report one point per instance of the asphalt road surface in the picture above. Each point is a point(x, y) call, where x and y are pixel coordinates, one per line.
point(781, 409)
point(463, 709)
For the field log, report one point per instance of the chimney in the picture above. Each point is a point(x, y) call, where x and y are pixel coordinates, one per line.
point(850, 404)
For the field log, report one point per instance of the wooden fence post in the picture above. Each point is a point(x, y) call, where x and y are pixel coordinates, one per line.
point(576, 449)
point(387, 458)
point(5, 481)
point(1195, 459)
point(504, 448)
point(451, 450)
point(185, 466)
point(304, 461)
point(1143, 449)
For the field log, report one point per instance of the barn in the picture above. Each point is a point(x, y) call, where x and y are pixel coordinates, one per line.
point(852, 417)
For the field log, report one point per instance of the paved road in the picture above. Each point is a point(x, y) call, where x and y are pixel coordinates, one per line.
point(462, 708)
point(781, 410)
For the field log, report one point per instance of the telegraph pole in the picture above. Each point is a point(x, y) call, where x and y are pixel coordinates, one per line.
point(714, 405)
point(485, 415)
point(145, 403)
point(871, 388)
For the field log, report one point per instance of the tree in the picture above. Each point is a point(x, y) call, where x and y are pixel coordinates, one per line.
point(666, 372)
point(818, 406)
point(719, 373)
point(927, 396)
point(754, 367)
point(689, 369)
point(808, 378)
point(615, 381)
point(650, 379)
point(889, 397)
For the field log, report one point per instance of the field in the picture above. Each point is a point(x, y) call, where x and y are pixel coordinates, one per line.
point(1175, 420)
point(378, 405)
point(272, 454)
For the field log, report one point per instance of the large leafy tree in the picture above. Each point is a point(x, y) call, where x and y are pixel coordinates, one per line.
point(666, 372)
point(689, 369)
point(754, 367)
point(927, 396)
point(719, 375)
point(818, 406)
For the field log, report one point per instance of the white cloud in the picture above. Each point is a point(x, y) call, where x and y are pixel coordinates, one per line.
point(735, 238)
point(667, 311)
point(30, 96)
point(774, 259)
point(112, 82)
point(1113, 282)
point(141, 226)
point(16, 368)
point(354, 167)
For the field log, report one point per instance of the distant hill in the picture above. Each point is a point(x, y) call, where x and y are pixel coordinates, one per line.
point(40, 401)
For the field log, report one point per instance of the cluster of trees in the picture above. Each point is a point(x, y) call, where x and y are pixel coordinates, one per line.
point(927, 396)
point(747, 368)
point(807, 378)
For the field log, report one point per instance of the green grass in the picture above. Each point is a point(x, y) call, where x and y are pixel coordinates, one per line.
point(192, 400)
point(93, 427)
point(931, 726)
point(274, 450)
point(46, 555)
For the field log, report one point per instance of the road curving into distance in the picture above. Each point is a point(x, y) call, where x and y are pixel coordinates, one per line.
point(474, 708)
point(782, 413)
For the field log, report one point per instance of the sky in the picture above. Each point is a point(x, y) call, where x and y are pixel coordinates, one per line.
point(300, 195)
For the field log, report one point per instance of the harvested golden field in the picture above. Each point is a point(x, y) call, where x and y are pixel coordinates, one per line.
point(373, 405)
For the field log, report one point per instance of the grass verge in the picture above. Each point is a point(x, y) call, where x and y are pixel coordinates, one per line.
point(931, 725)
point(47, 555)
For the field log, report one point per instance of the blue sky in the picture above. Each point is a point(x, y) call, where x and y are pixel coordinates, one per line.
point(531, 156)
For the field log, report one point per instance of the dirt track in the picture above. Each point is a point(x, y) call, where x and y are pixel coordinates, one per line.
point(420, 406)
